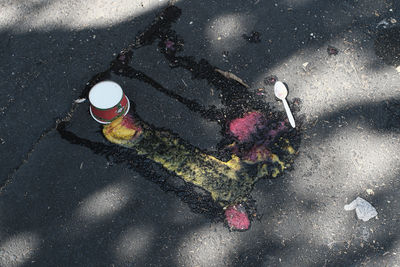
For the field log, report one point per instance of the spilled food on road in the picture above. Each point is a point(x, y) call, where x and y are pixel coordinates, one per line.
point(257, 141)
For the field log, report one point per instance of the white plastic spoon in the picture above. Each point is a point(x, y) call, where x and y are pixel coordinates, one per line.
point(281, 93)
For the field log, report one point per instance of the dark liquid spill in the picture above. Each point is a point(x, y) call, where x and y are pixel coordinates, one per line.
point(198, 200)
point(235, 97)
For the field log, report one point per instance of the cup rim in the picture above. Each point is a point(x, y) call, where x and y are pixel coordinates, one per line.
point(100, 84)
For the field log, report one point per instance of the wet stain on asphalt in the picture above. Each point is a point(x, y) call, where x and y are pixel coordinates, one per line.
point(257, 141)
point(254, 37)
point(331, 50)
point(387, 45)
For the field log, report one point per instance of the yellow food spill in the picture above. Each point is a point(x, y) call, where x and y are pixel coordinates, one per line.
point(263, 170)
point(275, 158)
point(275, 172)
point(227, 182)
point(262, 154)
point(117, 133)
point(234, 163)
point(290, 150)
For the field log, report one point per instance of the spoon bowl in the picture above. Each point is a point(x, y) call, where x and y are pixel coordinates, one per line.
point(280, 90)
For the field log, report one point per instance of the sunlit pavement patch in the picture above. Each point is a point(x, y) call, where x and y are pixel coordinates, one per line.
point(257, 141)
point(132, 243)
point(105, 202)
point(17, 250)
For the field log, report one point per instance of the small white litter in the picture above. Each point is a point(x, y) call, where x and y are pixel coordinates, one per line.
point(79, 100)
point(364, 209)
point(383, 22)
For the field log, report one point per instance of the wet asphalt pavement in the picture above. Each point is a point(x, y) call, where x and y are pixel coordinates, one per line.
point(61, 204)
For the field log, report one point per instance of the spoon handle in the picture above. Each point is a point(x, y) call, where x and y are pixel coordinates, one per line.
point(289, 113)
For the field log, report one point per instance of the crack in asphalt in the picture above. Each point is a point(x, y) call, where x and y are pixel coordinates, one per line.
point(25, 159)
point(95, 79)
point(44, 133)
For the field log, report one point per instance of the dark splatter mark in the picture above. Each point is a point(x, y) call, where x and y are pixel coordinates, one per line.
point(235, 97)
point(270, 80)
point(332, 50)
point(254, 37)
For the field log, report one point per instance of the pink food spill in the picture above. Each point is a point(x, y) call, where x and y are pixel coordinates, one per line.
point(243, 128)
point(237, 218)
point(281, 127)
point(170, 45)
point(257, 153)
point(128, 122)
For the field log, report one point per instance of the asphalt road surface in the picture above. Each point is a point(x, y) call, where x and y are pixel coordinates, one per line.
point(63, 204)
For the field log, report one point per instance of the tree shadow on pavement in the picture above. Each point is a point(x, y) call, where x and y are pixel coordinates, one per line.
point(355, 243)
point(46, 192)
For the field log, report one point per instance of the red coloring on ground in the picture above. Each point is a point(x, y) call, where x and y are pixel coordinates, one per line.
point(257, 153)
point(253, 128)
point(237, 218)
point(281, 127)
point(129, 122)
point(170, 45)
point(243, 128)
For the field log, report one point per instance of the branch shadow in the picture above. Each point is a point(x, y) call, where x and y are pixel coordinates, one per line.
point(79, 250)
